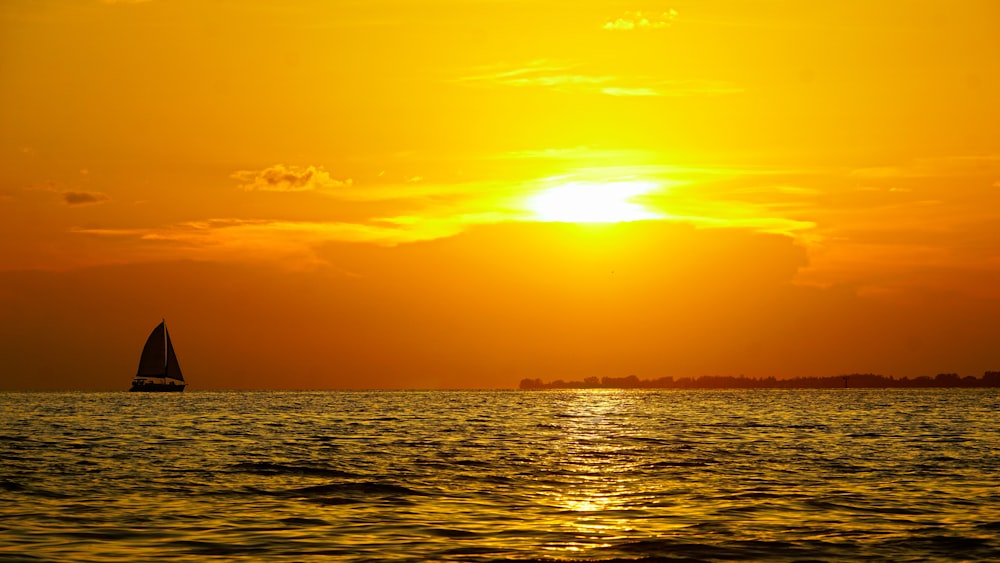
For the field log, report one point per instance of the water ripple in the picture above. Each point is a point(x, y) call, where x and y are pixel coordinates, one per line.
point(592, 475)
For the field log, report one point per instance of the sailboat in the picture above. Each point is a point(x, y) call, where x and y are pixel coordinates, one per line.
point(158, 370)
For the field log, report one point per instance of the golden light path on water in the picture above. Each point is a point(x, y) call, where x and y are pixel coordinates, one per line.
point(586, 503)
point(603, 494)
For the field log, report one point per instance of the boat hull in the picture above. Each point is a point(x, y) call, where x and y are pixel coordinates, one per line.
point(157, 387)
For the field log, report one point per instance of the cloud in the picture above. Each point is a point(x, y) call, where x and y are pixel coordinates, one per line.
point(84, 198)
point(582, 154)
point(936, 167)
point(536, 73)
point(630, 92)
point(282, 178)
point(642, 20)
point(569, 77)
point(675, 88)
point(293, 244)
point(755, 199)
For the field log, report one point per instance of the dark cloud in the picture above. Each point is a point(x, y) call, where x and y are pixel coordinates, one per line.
point(84, 198)
point(281, 178)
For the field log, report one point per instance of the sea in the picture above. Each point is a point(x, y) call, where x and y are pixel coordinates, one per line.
point(483, 476)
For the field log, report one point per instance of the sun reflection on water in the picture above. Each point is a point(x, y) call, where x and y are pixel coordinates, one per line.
point(597, 501)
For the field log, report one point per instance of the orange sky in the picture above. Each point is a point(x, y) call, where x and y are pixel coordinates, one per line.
point(465, 193)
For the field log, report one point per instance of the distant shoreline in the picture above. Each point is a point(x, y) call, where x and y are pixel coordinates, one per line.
point(853, 380)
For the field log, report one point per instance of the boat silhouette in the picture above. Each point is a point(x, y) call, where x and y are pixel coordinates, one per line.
point(158, 370)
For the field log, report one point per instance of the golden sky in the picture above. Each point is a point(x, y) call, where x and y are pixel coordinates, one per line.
point(464, 193)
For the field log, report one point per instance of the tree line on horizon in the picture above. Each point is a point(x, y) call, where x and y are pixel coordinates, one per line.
point(853, 380)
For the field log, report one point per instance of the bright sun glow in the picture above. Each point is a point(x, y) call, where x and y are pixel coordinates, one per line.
point(593, 202)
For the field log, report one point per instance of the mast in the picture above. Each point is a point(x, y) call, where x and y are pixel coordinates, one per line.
point(166, 362)
point(159, 361)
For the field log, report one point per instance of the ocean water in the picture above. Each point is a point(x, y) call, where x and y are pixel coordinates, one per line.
point(590, 475)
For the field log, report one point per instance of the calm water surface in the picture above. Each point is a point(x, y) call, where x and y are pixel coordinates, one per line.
point(594, 475)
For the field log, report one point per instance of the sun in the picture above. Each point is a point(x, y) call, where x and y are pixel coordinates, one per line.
point(593, 202)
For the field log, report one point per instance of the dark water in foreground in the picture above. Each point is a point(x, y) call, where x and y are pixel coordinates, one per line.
point(892, 475)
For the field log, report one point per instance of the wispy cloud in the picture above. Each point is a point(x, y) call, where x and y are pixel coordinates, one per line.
point(535, 73)
point(84, 198)
point(282, 178)
point(569, 77)
point(631, 92)
point(642, 20)
point(571, 154)
point(924, 223)
point(294, 244)
point(676, 88)
point(754, 199)
point(936, 167)
point(68, 197)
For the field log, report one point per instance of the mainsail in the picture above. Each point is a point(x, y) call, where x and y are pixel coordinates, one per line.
point(173, 368)
point(158, 359)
